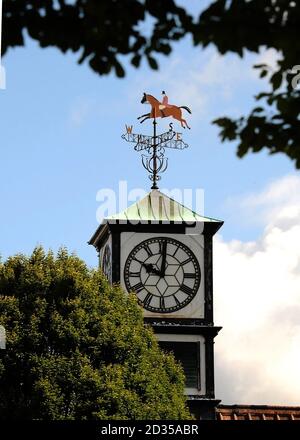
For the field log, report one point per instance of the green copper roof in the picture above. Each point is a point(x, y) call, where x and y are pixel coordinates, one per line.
point(156, 206)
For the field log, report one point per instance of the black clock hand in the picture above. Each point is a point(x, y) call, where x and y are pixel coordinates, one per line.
point(163, 261)
point(154, 271)
point(149, 267)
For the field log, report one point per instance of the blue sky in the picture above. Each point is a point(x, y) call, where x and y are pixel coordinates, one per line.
point(61, 127)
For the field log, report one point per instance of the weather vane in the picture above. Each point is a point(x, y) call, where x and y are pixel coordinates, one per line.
point(153, 147)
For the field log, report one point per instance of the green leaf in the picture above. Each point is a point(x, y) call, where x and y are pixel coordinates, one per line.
point(263, 73)
point(276, 80)
point(259, 66)
point(258, 110)
point(120, 72)
point(136, 60)
point(152, 62)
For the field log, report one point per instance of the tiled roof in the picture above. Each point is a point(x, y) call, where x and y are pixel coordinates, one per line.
point(257, 412)
point(156, 206)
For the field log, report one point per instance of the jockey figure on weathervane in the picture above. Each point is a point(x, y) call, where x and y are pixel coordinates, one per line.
point(164, 104)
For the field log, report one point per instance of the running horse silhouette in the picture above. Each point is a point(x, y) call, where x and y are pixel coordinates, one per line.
point(156, 112)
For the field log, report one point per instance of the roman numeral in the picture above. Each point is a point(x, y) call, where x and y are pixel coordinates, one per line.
point(189, 275)
point(148, 299)
point(176, 300)
point(162, 244)
point(162, 302)
point(148, 250)
point(139, 261)
point(186, 261)
point(175, 251)
point(134, 274)
point(138, 287)
point(186, 289)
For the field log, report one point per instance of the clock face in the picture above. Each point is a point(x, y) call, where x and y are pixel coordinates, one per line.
point(164, 274)
point(106, 262)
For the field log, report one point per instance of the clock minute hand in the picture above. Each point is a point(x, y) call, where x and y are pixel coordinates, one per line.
point(163, 261)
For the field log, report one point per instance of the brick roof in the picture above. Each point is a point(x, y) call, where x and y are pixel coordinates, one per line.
point(257, 412)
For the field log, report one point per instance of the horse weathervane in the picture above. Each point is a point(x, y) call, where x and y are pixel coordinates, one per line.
point(153, 147)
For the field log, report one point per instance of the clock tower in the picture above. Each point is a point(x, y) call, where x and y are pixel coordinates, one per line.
point(162, 251)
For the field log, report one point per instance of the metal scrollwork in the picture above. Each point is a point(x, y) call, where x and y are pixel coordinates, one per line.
point(153, 149)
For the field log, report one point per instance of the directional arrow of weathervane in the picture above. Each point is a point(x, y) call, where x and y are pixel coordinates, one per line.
point(153, 149)
point(165, 140)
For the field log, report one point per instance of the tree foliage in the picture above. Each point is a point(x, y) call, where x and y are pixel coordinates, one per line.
point(238, 25)
point(105, 31)
point(77, 348)
point(102, 31)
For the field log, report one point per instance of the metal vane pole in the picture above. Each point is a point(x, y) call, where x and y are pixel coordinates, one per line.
point(155, 161)
point(154, 186)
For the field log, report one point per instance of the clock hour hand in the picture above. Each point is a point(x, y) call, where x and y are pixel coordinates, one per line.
point(149, 267)
point(163, 261)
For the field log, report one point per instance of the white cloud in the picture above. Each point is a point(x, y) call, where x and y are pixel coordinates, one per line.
point(257, 301)
point(279, 200)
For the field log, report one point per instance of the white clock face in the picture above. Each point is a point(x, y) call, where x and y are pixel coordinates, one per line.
point(164, 273)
